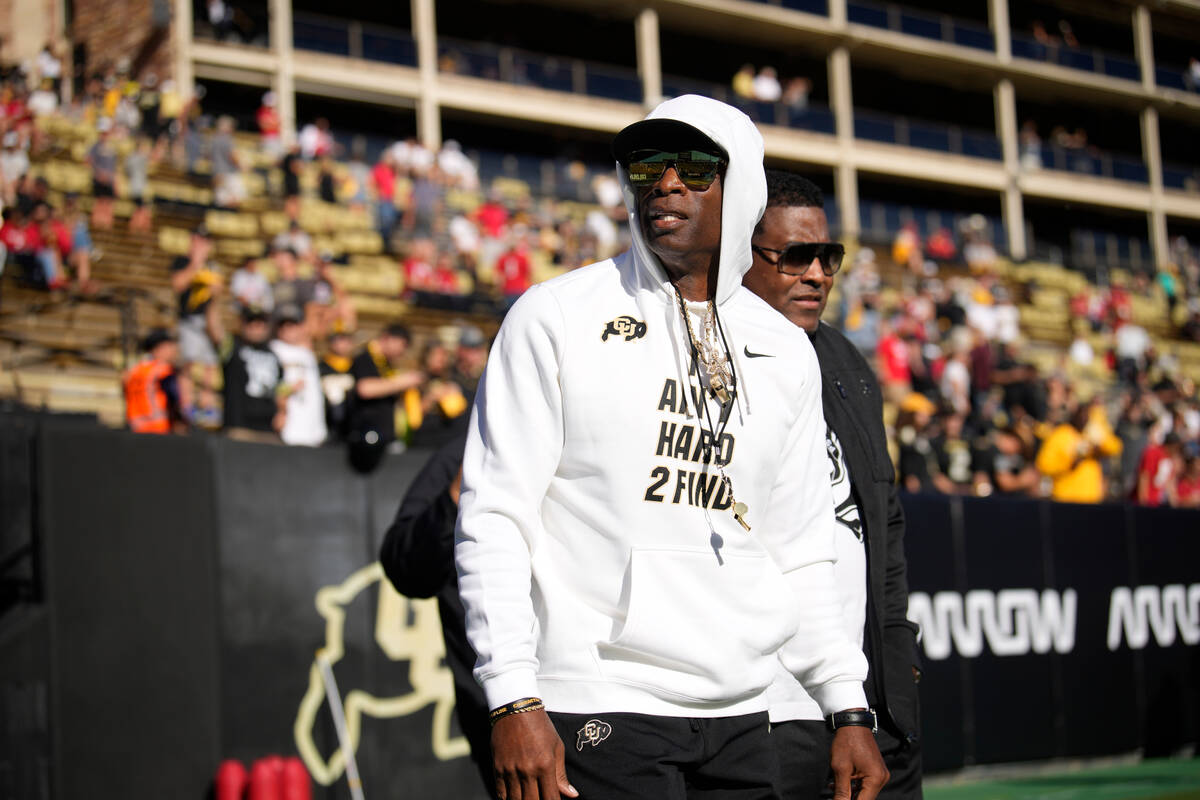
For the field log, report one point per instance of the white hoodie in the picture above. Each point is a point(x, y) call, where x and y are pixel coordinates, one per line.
point(585, 545)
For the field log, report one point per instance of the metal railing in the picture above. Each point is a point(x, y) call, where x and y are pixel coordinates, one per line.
point(1087, 59)
point(939, 27)
point(1178, 176)
point(810, 6)
point(1104, 165)
point(1171, 77)
point(1090, 248)
point(523, 68)
point(353, 39)
point(810, 117)
point(880, 220)
point(927, 135)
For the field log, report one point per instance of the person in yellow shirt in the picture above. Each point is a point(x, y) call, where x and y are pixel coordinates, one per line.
point(743, 82)
point(1071, 455)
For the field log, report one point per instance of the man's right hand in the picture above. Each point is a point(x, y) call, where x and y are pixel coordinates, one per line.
point(528, 759)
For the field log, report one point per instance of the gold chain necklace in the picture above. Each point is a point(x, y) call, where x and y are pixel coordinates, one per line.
point(715, 362)
point(720, 378)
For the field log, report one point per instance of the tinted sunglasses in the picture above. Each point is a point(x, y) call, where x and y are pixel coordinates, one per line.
point(695, 168)
point(796, 257)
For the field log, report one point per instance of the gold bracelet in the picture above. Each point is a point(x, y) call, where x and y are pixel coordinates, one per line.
point(522, 706)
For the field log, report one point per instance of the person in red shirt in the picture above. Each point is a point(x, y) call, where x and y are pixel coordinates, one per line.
point(1187, 489)
point(418, 267)
point(50, 245)
point(1120, 306)
point(892, 352)
point(1158, 471)
point(12, 232)
point(515, 272)
point(270, 127)
point(941, 246)
point(22, 239)
point(383, 180)
point(445, 278)
point(492, 217)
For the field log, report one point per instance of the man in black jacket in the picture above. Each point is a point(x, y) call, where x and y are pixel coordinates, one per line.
point(794, 264)
point(418, 558)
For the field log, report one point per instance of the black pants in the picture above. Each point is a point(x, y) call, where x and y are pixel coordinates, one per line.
point(803, 746)
point(636, 756)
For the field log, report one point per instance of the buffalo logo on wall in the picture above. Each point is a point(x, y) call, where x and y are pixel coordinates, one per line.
point(406, 630)
point(625, 326)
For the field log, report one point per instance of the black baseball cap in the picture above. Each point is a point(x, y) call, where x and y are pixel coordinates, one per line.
point(662, 134)
point(290, 314)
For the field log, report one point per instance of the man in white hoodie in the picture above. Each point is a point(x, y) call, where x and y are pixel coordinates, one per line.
point(633, 555)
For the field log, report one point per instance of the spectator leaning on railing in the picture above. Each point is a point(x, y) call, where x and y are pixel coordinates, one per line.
point(377, 417)
point(195, 280)
point(152, 388)
point(254, 392)
point(304, 423)
point(1071, 456)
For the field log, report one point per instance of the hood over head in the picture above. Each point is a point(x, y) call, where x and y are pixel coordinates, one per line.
point(681, 122)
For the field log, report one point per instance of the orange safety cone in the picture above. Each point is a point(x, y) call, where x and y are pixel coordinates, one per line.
point(296, 783)
point(266, 779)
point(230, 780)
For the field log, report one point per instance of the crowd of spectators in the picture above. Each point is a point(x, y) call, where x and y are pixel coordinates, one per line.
point(973, 415)
point(46, 239)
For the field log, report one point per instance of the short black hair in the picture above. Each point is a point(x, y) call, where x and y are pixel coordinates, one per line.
point(398, 330)
point(789, 189)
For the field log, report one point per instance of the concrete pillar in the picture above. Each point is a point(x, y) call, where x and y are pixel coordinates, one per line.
point(837, 13)
point(1007, 129)
point(181, 35)
point(1001, 28)
point(1012, 209)
point(424, 26)
point(1152, 156)
point(1151, 150)
point(846, 180)
point(1143, 45)
point(845, 187)
point(649, 60)
point(1159, 241)
point(1013, 212)
point(283, 81)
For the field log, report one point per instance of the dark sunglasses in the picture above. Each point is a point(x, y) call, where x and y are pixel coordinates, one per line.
point(796, 257)
point(695, 168)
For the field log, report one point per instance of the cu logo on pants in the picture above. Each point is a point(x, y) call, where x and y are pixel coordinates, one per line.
point(593, 732)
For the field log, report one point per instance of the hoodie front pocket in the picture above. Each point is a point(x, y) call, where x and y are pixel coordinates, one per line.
point(698, 629)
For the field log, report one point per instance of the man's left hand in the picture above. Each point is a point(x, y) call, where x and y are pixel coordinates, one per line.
point(858, 769)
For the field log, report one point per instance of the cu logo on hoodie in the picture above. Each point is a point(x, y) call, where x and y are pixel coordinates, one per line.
point(625, 326)
point(593, 732)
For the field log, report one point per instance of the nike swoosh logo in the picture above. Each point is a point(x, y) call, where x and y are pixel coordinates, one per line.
point(746, 350)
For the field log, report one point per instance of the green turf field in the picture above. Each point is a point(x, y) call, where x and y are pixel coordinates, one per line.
point(1160, 779)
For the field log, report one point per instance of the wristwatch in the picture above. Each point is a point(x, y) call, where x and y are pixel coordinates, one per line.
point(845, 719)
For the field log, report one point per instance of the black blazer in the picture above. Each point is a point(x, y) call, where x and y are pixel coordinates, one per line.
point(853, 408)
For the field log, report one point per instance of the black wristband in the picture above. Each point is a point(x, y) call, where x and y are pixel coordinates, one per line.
point(522, 706)
point(845, 719)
